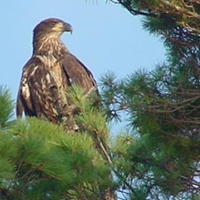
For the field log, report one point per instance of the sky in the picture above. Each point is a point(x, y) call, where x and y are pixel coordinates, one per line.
point(106, 37)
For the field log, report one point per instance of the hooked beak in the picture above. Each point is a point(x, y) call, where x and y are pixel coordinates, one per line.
point(68, 28)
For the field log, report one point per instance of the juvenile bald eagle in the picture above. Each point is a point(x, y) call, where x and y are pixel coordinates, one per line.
point(48, 74)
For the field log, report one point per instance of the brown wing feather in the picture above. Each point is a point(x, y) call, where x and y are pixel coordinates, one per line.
point(42, 88)
point(23, 99)
point(77, 73)
point(19, 107)
point(37, 92)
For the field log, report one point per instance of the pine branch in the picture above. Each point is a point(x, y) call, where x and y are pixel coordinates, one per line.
point(181, 10)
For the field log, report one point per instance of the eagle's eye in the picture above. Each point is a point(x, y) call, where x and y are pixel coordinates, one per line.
point(53, 23)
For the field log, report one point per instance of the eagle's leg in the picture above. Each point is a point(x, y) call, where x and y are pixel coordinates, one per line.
point(72, 110)
point(68, 119)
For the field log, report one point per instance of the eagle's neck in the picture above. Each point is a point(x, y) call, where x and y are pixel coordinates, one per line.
point(49, 47)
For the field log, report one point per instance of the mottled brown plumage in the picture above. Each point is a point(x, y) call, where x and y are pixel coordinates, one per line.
point(48, 74)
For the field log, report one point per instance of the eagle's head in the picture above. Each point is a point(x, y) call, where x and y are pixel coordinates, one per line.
point(51, 27)
point(46, 36)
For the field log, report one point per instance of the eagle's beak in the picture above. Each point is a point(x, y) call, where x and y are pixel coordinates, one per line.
point(68, 28)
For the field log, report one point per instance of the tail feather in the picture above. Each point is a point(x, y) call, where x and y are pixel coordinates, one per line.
point(19, 106)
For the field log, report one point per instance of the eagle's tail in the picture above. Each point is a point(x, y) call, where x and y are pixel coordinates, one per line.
point(19, 106)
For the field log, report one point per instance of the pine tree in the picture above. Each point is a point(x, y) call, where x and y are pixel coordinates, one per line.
point(159, 159)
point(39, 160)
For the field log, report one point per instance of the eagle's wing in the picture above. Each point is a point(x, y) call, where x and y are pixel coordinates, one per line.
point(77, 73)
point(24, 102)
point(37, 92)
point(41, 91)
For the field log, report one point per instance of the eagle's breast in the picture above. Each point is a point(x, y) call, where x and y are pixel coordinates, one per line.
point(59, 84)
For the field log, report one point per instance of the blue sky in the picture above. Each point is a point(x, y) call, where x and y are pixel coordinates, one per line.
point(105, 37)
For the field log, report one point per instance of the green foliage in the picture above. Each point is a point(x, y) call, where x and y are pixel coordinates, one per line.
point(90, 118)
point(6, 107)
point(39, 160)
point(158, 158)
point(44, 157)
point(163, 106)
point(111, 97)
point(162, 161)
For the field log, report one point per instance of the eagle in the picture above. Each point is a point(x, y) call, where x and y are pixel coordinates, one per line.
point(49, 73)
point(47, 77)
